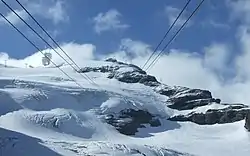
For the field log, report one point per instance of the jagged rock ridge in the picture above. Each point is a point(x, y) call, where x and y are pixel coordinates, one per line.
point(129, 120)
point(183, 98)
point(179, 98)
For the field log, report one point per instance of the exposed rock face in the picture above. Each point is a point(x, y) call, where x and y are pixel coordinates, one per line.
point(111, 60)
point(136, 77)
point(128, 121)
point(247, 124)
point(179, 98)
point(123, 74)
point(182, 98)
point(103, 69)
point(212, 116)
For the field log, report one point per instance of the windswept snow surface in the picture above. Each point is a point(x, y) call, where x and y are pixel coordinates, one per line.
point(43, 112)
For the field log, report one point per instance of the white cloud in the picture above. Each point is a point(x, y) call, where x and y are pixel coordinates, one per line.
point(78, 52)
point(57, 12)
point(52, 10)
point(240, 9)
point(172, 13)
point(3, 57)
point(215, 24)
point(134, 48)
point(54, 33)
point(217, 57)
point(108, 21)
point(183, 69)
point(243, 60)
point(219, 25)
point(190, 69)
point(13, 18)
point(172, 68)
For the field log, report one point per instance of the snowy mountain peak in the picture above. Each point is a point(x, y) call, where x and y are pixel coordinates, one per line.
point(128, 113)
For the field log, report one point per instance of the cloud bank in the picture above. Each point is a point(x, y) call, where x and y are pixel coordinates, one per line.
point(179, 67)
point(78, 52)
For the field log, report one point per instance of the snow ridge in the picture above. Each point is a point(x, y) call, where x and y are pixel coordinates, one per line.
point(44, 113)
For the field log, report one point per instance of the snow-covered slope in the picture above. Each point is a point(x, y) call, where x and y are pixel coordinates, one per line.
point(43, 112)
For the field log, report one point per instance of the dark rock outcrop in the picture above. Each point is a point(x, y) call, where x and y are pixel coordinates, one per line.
point(179, 98)
point(103, 69)
point(185, 103)
point(217, 100)
point(182, 98)
point(213, 116)
point(111, 60)
point(247, 124)
point(135, 75)
point(129, 120)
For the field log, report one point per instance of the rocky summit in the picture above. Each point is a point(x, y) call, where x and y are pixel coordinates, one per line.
point(185, 101)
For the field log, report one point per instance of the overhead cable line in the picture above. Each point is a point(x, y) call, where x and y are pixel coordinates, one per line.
point(51, 38)
point(39, 49)
point(170, 28)
point(88, 79)
point(170, 41)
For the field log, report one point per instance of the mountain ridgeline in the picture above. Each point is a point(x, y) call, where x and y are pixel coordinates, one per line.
point(184, 100)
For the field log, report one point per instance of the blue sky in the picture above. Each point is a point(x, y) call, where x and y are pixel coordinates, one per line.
point(147, 22)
